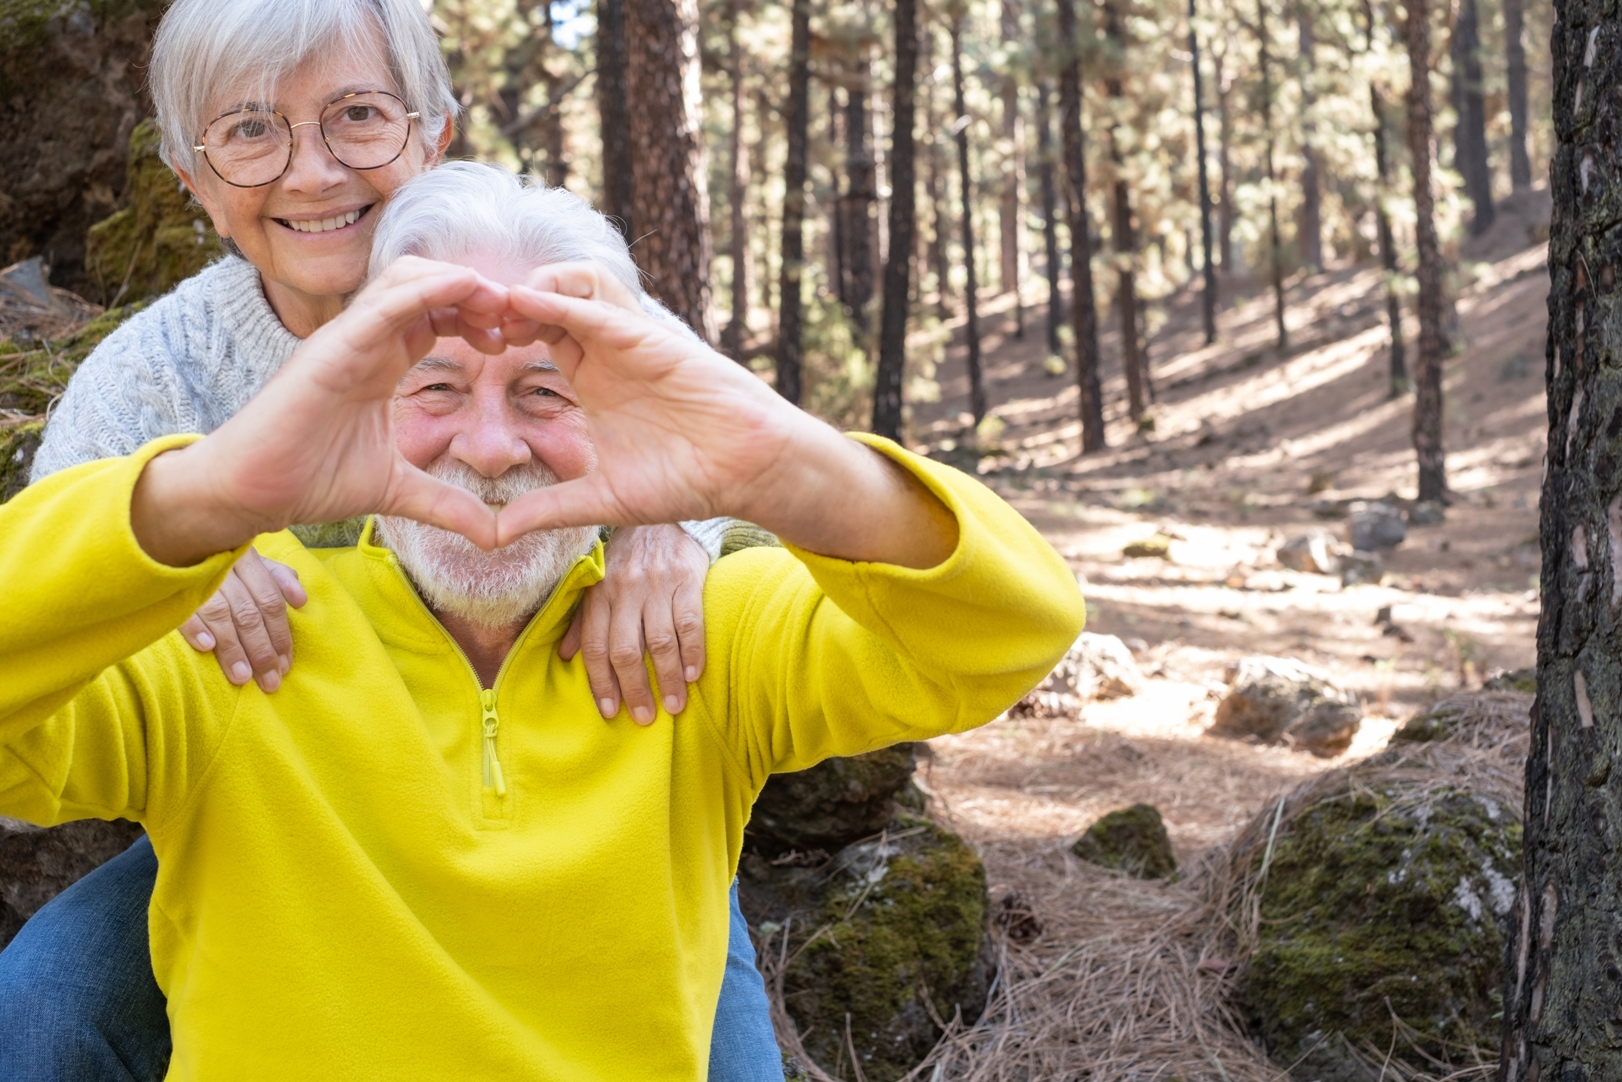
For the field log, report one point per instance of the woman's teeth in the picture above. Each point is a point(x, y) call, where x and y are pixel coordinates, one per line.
point(324, 224)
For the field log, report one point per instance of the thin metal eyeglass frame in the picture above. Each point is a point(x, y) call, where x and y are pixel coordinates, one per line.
point(410, 117)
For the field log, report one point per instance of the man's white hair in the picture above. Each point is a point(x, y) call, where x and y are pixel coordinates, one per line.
point(209, 48)
point(464, 210)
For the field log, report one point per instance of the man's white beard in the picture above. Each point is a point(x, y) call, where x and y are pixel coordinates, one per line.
point(492, 589)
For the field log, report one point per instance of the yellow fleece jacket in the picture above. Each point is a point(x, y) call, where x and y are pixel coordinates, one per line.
point(352, 886)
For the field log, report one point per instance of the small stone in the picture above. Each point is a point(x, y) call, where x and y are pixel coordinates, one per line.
point(1095, 667)
point(1132, 840)
point(1282, 701)
point(1360, 567)
point(1519, 680)
point(1314, 552)
point(1322, 481)
point(1327, 509)
point(1373, 524)
point(1158, 545)
point(1427, 513)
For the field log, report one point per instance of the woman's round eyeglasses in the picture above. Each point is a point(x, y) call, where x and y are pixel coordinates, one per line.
point(252, 147)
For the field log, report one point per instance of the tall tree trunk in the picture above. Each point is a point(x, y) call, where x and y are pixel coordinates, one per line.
point(860, 196)
point(1083, 309)
point(1382, 221)
point(903, 216)
point(1226, 218)
point(1310, 227)
point(838, 278)
point(764, 278)
point(1470, 134)
point(1012, 209)
point(737, 197)
point(1431, 303)
point(1123, 234)
point(938, 259)
point(1209, 299)
point(797, 120)
point(1050, 225)
point(1276, 254)
point(613, 108)
point(669, 198)
point(1520, 163)
point(1560, 992)
point(977, 387)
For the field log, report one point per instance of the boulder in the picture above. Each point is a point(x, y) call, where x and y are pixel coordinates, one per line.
point(1096, 667)
point(1132, 840)
point(1427, 513)
point(160, 239)
point(1281, 701)
point(885, 937)
point(1374, 524)
point(1380, 902)
point(1158, 545)
point(38, 864)
point(1316, 552)
point(834, 803)
point(1358, 567)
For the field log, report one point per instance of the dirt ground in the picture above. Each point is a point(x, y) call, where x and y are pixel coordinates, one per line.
point(1245, 442)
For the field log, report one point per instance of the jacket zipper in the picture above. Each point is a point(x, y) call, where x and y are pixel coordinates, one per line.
point(492, 765)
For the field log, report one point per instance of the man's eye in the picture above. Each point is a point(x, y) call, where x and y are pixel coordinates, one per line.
point(437, 387)
point(547, 392)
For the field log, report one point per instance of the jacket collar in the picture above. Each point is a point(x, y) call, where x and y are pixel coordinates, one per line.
point(402, 618)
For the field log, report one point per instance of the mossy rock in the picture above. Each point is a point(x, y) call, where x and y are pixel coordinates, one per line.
point(834, 803)
point(1131, 840)
point(159, 240)
point(890, 935)
point(1374, 907)
point(1519, 680)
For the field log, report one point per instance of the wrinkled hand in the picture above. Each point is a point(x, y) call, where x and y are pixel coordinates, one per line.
point(245, 622)
point(317, 443)
point(652, 596)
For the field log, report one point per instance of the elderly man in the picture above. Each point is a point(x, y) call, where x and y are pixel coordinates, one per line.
point(427, 855)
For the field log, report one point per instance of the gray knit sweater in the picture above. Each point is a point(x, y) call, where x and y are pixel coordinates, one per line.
point(190, 361)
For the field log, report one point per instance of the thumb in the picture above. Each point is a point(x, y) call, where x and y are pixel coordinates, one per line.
point(415, 495)
point(587, 501)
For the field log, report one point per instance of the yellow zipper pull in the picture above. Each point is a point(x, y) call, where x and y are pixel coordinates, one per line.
point(492, 765)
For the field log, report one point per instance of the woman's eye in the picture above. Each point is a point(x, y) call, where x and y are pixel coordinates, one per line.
point(358, 114)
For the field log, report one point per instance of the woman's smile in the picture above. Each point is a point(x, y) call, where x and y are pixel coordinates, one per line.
point(336, 222)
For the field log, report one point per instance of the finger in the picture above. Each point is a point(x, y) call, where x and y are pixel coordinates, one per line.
point(583, 279)
point(197, 634)
point(260, 616)
point(584, 320)
point(570, 644)
point(625, 645)
point(287, 579)
point(415, 495)
point(688, 610)
point(216, 616)
point(664, 646)
point(585, 501)
point(605, 686)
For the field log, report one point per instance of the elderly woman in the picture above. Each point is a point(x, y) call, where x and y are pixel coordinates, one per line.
point(293, 122)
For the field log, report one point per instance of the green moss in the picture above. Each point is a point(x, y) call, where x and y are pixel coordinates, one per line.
point(905, 936)
point(1132, 840)
point(157, 241)
point(1372, 909)
point(17, 446)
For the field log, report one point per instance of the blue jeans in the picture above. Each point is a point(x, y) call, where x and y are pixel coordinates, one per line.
point(78, 1002)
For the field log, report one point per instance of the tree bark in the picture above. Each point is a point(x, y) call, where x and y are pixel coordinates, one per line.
point(1382, 221)
point(1123, 233)
point(669, 197)
point(838, 279)
point(1310, 227)
point(797, 119)
point(1561, 992)
point(1276, 254)
point(1050, 225)
point(977, 387)
point(1083, 310)
point(613, 109)
point(1209, 299)
point(937, 255)
point(1012, 209)
point(737, 198)
point(1433, 345)
point(1226, 218)
point(1520, 163)
point(887, 392)
point(861, 194)
point(1470, 133)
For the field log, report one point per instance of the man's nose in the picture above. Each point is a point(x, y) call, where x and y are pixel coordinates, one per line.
point(488, 440)
point(313, 169)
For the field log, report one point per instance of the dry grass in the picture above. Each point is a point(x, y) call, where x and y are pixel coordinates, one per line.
point(1134, 982)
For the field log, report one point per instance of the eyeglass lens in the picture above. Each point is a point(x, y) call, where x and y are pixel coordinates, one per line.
point(254, 146)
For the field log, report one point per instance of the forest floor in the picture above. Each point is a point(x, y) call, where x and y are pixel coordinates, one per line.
point(1246, 442)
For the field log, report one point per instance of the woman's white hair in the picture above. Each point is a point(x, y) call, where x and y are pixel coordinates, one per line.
point(209, 48)
point(465, 210)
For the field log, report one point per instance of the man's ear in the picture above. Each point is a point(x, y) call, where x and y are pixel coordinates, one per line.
point(205, 197)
